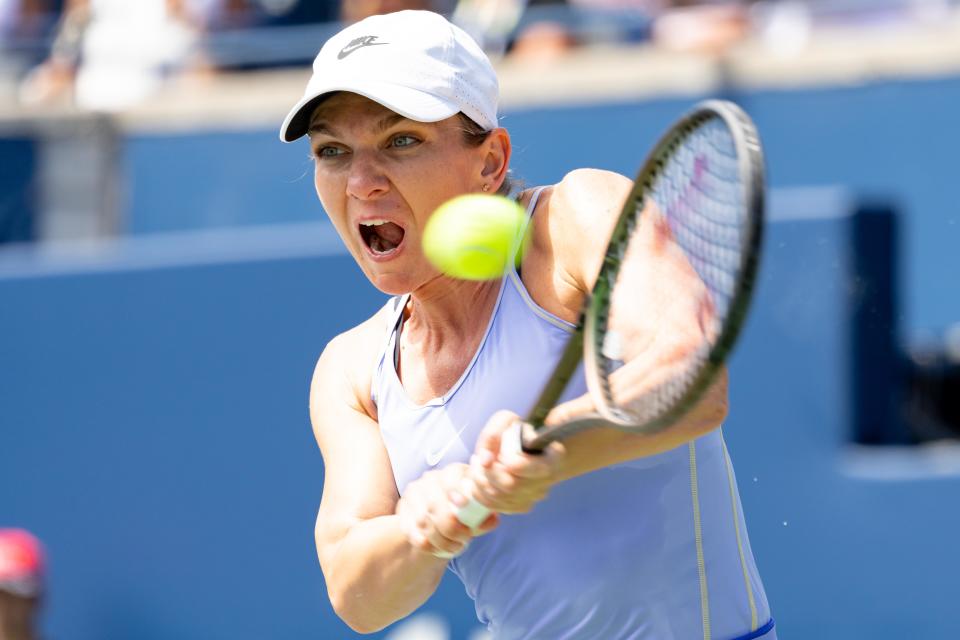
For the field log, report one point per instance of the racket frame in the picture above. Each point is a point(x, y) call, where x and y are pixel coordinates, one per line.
point(586, 342)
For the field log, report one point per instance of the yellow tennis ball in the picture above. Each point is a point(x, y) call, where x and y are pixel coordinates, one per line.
point(472, 236)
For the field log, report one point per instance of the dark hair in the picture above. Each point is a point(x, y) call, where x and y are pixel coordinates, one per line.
point(473, 136)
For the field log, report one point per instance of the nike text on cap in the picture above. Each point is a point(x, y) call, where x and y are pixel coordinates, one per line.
point(415, 63)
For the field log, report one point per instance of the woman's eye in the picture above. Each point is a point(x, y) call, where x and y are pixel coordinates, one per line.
point(328, 152)
point(404, 141)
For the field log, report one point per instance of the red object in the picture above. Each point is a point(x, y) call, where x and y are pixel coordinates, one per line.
point(21, 556)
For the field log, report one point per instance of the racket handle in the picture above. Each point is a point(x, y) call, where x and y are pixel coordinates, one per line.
point(473, 513)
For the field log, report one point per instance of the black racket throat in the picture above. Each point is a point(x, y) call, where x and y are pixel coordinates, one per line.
point(557, 384)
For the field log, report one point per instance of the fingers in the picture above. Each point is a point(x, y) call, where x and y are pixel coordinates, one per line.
point(501, 477)
point(525, 466)
point(513, 481)
point(428, 517)
point(441, 535)
point(430, 530)
point(490, 440)
point(473, 514)
point(501, 490)
point(501, 442)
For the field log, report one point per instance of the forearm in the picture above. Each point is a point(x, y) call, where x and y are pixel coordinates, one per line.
point(504, 481)
point(375, 577)
point(601, 447)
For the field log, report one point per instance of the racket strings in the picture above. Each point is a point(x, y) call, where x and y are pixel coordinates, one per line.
point(697, 187)
point(700, 194)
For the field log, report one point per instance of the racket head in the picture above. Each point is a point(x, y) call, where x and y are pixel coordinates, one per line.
point(705, 180)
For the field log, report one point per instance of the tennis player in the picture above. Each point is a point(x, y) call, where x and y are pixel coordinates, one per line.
point(641, 536)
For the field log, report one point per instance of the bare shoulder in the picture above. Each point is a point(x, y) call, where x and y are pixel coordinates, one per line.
point(586, 197)
point(344, 371)
point(570, 230)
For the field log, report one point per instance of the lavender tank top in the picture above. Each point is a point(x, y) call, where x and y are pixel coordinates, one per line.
point(652, 549)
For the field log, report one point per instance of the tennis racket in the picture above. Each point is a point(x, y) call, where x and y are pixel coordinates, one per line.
point(699, 199)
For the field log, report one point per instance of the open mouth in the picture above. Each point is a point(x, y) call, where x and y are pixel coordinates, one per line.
point(380, 236)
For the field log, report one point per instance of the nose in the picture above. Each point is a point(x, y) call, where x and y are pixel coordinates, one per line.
point(366, 179)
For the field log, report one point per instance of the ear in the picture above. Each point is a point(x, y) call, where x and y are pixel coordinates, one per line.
point(496, 158)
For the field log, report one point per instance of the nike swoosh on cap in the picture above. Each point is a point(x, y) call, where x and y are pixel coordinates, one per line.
point(358, 43)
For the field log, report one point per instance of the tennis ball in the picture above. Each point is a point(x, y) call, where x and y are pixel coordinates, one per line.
point(471, 236)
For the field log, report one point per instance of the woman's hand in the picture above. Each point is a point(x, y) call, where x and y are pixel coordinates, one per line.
point(504, 478)
point(428, 517)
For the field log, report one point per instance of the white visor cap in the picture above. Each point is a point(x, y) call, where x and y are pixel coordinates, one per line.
point(415, 63)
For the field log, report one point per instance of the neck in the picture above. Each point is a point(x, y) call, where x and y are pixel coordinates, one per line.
point(450, 307)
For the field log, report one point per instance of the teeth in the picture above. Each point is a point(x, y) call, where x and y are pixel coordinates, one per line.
point(373, 223)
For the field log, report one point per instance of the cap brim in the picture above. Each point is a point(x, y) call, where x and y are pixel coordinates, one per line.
point(410, 103)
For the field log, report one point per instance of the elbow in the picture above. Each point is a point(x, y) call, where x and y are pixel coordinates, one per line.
point(718, 417)
point(361, 627)
point(350, 608)
point(714, 405)
point(708, 413)
point(701, 424)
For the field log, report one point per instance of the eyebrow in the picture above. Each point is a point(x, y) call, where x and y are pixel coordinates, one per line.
point(319, 127)
point(382, 125)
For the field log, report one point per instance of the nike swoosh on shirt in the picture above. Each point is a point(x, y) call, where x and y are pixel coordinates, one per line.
point(433, 458)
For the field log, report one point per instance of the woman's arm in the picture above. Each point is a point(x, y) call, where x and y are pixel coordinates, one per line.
point(376, 550)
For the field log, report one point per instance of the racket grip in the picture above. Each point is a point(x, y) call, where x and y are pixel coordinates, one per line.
point(473, 513)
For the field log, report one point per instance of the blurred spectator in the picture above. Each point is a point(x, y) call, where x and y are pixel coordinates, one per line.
point(111, 54)
point(289, 12)
point(542, 30)
point(702, 27)
point(24, 27)
point(223, 15)
point(545, 36)
point(241, 35)
point(491, 23)
point(542, 41)
point(356, 10)
point(216, 15)
point(25, 19)
point(649, 7)
point(21, 584)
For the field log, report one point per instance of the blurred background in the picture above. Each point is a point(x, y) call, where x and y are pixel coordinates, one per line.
point(168, 278)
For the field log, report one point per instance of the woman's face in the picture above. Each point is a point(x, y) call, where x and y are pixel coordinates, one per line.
point(379, 177)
